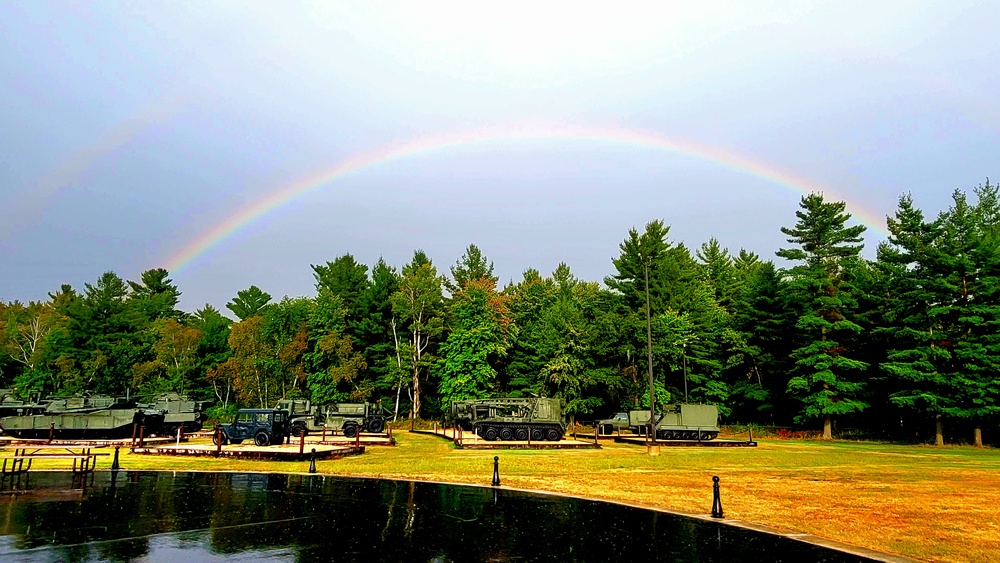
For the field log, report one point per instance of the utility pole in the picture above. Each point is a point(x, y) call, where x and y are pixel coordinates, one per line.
point(684, 362)
point(649, 359)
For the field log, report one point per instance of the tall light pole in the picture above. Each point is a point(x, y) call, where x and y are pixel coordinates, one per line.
point(649, 354)
point(684, 362)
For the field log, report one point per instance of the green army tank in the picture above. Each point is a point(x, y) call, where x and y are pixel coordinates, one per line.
point(10, 405)
point(511, 418)
point(178, 411)
point(84, 417)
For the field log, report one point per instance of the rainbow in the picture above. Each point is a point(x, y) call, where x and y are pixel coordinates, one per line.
point(280, 195)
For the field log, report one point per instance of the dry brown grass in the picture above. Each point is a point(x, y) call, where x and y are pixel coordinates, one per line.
point(929, 503)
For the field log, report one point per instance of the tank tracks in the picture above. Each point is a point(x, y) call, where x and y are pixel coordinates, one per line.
point(519, 432)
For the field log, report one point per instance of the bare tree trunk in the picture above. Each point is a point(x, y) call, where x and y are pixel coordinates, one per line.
point(938, 431)
point(827, 427)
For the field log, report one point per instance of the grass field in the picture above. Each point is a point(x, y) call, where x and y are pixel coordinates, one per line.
point(925, 502)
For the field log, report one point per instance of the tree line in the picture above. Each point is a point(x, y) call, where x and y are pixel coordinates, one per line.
point(905, 346)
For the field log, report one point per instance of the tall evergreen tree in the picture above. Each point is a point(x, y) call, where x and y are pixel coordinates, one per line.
point(825, 243)
point(473, 265)
point(248, 302)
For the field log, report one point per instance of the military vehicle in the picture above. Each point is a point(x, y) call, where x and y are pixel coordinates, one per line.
point(265, 426)
point(92, 417)
point(511, 418)
point(618, 421)
point(305, 417)
point(12, 406)
point(679, 421)
point(178, 411)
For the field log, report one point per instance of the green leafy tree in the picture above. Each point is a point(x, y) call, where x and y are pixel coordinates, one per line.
point(213, 350)
point(480, 334)
point(419, 306)
point(822, 364)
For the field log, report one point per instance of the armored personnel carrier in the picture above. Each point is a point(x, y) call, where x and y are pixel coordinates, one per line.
point(91, 417)
point(679, 421)
point(178, 411)
point(306, 417)
point(511, 418)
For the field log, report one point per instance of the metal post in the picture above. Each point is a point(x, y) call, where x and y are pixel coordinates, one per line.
point(52, 430)
point(179, 436)
point(312, 461)
point(142, 431)
point(716, 501)
point(135, 430)
point(302, 442)
point(357, 438)
point(323, 438)
point(114, 464)
point(595, 435)
point(435, 428)
point(218, 442)
point(496, 471)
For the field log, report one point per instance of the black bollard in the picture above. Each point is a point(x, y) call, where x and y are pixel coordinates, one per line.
point(496, 471)
point(716, 501)
point(114, 464)
point(312, 461)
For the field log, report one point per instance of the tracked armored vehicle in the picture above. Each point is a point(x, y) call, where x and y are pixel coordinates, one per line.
point(178, 411)
point(351, 418)
point(679, 421)
point(10, 405)
point(92, 417)
point(511, 418)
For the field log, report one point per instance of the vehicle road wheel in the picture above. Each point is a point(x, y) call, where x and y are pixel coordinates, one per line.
point(712, 435)
point(299, 430)
point(506, 434)
point(537, 434)
point(261, 439)
point(351, 430)
point(376, 425)
point(521, 434)
point(216, 436)
point(490, 434)
point(553, 435)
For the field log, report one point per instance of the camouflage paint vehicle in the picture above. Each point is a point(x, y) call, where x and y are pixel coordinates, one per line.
point(84, 417)
point(264, 426)
point(351, 418)
point(679, 421)
point(511, 418)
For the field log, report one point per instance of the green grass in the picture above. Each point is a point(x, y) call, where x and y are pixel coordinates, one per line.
point(933, 503)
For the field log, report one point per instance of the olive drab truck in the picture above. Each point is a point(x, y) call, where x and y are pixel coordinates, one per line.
point(679, 421)
point(511, 418)
point(351, 418)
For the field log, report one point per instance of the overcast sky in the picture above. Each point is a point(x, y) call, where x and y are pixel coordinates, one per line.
point(130, 130)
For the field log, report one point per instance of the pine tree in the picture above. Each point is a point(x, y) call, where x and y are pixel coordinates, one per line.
point(820, 379)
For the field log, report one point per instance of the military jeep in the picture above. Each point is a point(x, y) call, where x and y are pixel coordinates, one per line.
point(264, 426)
